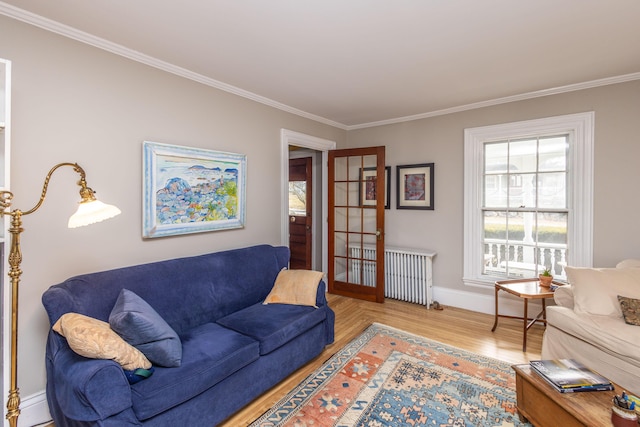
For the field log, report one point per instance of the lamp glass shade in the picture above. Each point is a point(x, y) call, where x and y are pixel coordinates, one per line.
point(92, 212)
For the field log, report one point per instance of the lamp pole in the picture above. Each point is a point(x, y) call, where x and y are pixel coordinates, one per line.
point(15, 259)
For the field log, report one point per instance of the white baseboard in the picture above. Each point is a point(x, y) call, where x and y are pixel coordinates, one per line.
point(34, 410)
point(508, 304)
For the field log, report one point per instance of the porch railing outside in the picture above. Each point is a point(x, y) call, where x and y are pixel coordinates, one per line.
point(521, 260)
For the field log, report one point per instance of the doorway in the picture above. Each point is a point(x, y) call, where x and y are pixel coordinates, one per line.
point(319, 149)
point(301, 212)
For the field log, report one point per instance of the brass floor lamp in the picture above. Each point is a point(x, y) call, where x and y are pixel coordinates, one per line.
point(90, 211)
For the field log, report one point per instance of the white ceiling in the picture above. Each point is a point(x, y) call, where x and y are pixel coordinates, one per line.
point(355, 63)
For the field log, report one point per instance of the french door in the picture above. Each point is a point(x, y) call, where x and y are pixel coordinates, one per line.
point(356, 198)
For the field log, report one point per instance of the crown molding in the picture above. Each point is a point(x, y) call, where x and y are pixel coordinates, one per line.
point(83, 37)
point(521, 97)
point(100, 43)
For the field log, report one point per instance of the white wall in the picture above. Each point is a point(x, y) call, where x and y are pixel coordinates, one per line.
point(440, 140)
point(75, 103)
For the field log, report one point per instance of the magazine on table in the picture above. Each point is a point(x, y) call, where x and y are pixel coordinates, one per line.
point(569, 375)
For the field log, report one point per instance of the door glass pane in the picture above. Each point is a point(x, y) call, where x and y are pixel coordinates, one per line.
point(340, 219)
point(355, 164)
point(369, 220)
point(340, 244)
point(298, 198)
point(369, 161)
point(354, 195)
point(340, 267)
point(340, 193)
point(355, 221)
point(340, 169)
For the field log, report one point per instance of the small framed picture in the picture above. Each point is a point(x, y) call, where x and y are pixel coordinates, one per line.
point(415, 186)
point(368, 196)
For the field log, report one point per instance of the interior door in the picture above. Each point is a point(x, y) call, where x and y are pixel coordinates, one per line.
point(300, 213)
point(356, 222)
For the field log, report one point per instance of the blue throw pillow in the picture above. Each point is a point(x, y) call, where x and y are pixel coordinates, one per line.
point(141, 326)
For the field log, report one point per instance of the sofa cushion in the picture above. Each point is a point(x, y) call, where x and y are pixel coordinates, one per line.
point(273, 325)
point(94, 339)
point(596, 290)
point(295, 287)
point(141, 326)
point(606, 333)
point(210, 353)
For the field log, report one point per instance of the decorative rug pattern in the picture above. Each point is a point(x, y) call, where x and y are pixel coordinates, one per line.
point(388, 377)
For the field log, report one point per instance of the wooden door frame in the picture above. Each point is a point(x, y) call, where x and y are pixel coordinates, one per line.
point(287, 138)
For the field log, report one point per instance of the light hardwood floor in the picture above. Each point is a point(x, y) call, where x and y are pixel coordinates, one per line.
point(461, 328)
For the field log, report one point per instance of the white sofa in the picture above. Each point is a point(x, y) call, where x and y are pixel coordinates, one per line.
point(588, 325)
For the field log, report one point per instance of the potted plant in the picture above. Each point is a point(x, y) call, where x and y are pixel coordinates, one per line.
point(545, 278)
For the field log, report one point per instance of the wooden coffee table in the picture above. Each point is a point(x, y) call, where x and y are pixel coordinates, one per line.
point(542, 405)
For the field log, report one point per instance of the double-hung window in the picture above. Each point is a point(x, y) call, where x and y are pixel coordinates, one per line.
point(528, 198)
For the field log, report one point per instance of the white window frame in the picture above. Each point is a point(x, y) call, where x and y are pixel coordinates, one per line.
point(580, 128)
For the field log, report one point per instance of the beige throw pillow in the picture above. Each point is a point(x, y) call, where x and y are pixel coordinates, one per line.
point(297, 287)
point(596, 290)
point(94, 339)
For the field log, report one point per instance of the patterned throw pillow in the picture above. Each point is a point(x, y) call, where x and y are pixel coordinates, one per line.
point(630, 310)
point(94, 339)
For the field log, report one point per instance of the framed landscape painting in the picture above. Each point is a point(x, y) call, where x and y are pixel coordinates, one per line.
point(191, 190)
point(415, 186)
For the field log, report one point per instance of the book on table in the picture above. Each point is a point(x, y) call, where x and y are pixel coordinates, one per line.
point(569, 375)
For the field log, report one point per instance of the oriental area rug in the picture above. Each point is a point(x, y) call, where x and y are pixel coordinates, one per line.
point(388, 377)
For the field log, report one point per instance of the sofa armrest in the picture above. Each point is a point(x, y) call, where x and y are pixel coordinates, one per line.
point(321, 298)
point(563, 296)
point(84, 389)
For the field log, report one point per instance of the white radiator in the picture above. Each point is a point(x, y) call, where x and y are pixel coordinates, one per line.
point(407, 272)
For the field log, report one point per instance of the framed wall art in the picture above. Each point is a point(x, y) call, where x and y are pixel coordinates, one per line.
point(368, 187)
point(191, 190)
point(415, 186)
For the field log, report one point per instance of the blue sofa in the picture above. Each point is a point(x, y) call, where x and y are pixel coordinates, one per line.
point(234, 348)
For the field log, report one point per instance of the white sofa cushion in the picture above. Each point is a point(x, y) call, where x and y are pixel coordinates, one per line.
point(596, 290)
point(605, 333)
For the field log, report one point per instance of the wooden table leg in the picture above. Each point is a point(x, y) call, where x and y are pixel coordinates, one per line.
point(525, 322)
point(495, 322)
